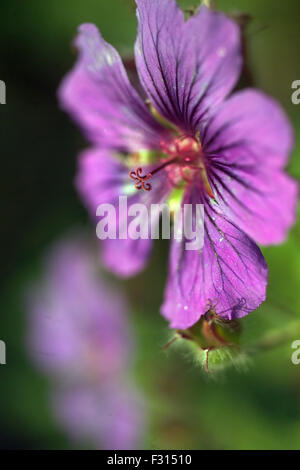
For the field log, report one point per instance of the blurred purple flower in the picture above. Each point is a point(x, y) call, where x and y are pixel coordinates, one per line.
point(79, 334)
point(228, 153)
point(108, 415)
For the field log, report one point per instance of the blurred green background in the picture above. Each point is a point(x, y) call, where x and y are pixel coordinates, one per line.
point(257, 408)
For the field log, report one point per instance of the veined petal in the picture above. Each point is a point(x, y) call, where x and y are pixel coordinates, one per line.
point(247, 143)
point(229, 273)
point(186, 67)
point(98, 94)
point(262, 203)
point(249, 128)
point(103, 178)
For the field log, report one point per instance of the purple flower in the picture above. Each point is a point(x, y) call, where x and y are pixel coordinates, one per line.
point(79, 334)
point(109, 416)
point(226, 153)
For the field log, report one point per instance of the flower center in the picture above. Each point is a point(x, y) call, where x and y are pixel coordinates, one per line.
point(187, 149)
point(184, 160)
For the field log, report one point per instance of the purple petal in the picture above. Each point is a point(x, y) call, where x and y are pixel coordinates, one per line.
point(186, 67)
point(229, 273)
point(262, 203)
point(250, 128)
point(103, 178)
point(109, 416)
point(78, 324)
point(248, 142)
point(98, 94)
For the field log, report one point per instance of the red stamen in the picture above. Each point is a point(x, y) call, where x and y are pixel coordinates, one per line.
point(163, 165)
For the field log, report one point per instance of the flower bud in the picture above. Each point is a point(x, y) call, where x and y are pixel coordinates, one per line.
point(214, 342)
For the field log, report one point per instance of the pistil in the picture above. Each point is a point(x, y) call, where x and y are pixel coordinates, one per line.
point(141, 179)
